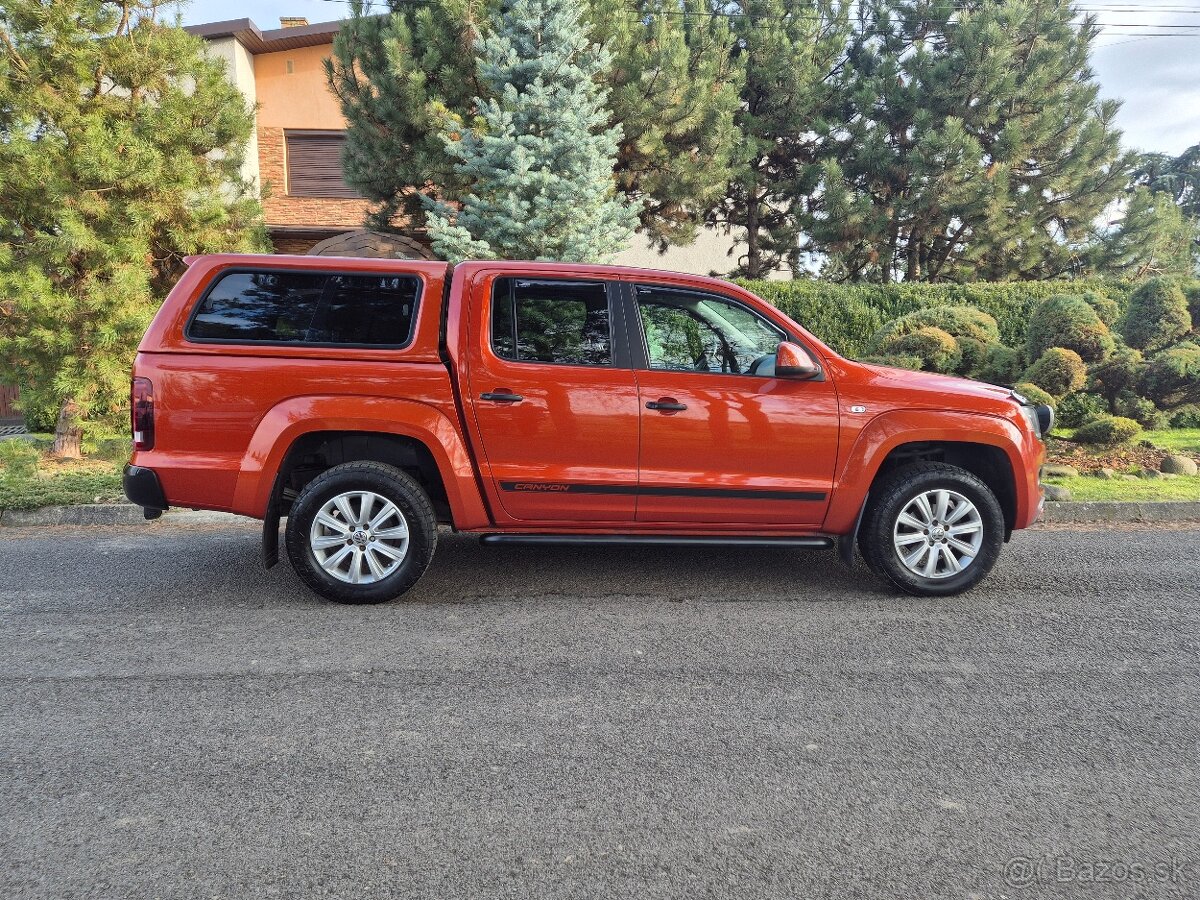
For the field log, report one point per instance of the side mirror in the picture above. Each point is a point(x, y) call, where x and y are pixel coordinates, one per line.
point(793, 361)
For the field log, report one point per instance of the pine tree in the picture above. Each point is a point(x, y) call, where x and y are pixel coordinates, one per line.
point(790, 50)
point(1152, 237)
point(120, 152)
point(974, 144)
point(673, 89)
point(539, 160)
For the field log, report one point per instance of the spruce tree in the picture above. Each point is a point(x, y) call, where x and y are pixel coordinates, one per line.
point(973, 144)
point(673, 89)
point(539, 160)
point(790, 51)
point(120, 152)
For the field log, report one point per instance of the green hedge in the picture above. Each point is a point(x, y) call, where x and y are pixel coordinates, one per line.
point(846, 316)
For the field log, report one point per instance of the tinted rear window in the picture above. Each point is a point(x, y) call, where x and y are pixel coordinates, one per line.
point(308, 308)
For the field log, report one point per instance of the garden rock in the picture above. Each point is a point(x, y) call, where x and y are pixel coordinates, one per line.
point(1056, 493)
point(1152, 474)
point(1175, 464)
point(1106, 474)
point(1054, 471)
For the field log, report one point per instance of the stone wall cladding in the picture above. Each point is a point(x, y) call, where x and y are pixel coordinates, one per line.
point(312, 212)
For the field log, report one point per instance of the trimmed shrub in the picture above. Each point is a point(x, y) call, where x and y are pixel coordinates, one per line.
point(1080, 408)
point(1118, 374)
point(1035, 394)
point(972, 329)
point(1058, 372)
point(1106, 309)
point(1172, 377)
point(1157, 315)
point(1001, 365)
point(1141, 410)
point(1068, 321)
point(937, 349)
point(1186, 416)
point(1108, 431)
point(913, 363)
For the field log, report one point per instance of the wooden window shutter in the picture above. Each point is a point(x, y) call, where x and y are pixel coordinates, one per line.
point(314, 164)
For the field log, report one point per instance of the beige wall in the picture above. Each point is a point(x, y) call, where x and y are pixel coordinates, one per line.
point(708, 255)
point(301, 99)
point(239, 69)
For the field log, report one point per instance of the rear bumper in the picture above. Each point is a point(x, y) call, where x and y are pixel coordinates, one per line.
point(143, 487)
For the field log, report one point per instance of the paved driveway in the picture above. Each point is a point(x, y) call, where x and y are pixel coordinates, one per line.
point(597, 723)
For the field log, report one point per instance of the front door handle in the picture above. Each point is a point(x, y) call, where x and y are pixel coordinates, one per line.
point(501, 397)
point(666, 404)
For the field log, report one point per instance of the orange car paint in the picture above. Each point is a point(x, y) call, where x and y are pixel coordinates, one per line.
point(750, 455)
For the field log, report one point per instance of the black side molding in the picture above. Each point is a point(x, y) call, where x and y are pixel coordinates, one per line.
point(142, 487)
point(813, 542)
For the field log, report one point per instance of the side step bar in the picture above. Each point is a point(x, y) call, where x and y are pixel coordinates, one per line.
point(814, 542)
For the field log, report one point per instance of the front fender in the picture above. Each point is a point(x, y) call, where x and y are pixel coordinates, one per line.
point(889, 430)
point(298, 416)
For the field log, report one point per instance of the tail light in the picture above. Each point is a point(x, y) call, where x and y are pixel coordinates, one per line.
point(141, 413)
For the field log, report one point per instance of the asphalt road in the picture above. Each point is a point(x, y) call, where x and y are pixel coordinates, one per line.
point(177, 723)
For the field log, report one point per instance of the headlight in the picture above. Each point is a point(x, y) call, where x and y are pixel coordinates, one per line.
point(1031, 419)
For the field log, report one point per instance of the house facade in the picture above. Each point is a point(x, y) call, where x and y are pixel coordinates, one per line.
point(295, 156)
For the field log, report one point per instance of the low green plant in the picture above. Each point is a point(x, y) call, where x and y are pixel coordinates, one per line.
point(1058, 372)
point(1069, 321)
point(18, 459)
point(1172, 377)
point(1186, 416)
point(1108, 431)
point(937, 349)
point(1080, 408)
point(1157, 315)
point(1034, 393)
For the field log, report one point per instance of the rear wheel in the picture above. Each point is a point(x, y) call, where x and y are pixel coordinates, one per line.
point(934, 530)
point(361, 532)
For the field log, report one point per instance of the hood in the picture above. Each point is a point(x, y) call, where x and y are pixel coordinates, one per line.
point(931, 384)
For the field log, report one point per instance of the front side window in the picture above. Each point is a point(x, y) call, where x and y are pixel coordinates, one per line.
point(308, 308)
point(563, 322)
point(698, 332)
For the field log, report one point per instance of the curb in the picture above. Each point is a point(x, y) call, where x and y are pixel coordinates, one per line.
point(1090, 512)
point(112, 514)
point(1072, 512)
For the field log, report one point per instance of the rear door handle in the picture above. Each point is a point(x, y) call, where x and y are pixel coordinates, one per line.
point(666, 404)
point(501, 397)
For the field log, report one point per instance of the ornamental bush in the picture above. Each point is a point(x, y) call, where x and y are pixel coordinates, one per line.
point(937, 349)
point(1001, 365)
point(1108, 431)
point(1118, 374)
point(1172, 377)
point(1186, 416)
point(1108, 310)
point(1034, 393)
point(915, 363)
point(1157, 315)
point(1141, 410)
point(1071, 322)
point(1058, 372)
point(1080, 408)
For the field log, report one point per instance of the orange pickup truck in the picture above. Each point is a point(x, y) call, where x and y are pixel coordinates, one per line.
point(369, 401)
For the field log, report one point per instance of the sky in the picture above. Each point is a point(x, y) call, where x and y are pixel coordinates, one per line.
point(1143, 57)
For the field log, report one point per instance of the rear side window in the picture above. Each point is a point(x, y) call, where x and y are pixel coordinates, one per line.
point(565, 322)
point(308, 308)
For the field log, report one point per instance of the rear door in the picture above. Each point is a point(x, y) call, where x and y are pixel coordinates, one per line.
point(554, 399)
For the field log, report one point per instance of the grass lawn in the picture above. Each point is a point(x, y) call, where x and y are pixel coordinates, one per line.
point(62, 484)
point(1186, 487)
point(1181, 440)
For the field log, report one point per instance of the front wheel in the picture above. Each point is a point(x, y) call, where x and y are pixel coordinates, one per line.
point(361, 532)
point(934, 530)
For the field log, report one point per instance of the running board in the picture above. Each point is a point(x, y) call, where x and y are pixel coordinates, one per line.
point(815, 542)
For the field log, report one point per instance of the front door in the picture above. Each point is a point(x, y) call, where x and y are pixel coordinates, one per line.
point(723, 440)
point(557, 417)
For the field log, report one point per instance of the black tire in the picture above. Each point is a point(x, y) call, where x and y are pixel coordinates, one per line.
point(387, 482)
point(893, 494)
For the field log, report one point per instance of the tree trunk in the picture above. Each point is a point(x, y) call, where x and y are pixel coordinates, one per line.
point(753, 250)
point(68, 433)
